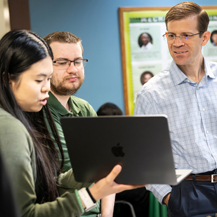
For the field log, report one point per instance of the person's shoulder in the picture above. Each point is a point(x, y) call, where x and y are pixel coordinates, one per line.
point(14, 137)
point(7, 120)
point(11, 127)
point(155, 85)
point(86, 108)
point(79, 101)
point(158, 80)
point(161, 75)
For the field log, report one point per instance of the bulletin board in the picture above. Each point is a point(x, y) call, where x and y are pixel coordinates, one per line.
point(137, 59)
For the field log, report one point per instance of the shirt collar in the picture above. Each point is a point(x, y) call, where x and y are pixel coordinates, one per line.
point(53, 102)
point(179, 77)
point(208, 69)
point(75, 109)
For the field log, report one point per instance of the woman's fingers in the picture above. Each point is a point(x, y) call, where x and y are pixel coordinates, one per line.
point(107, 185)
point(119, 187)
point(113, 174)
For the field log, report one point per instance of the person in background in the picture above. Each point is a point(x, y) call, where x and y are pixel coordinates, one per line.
point(186, 93)
point(68, 76)
point(139, 198)
point(213, 38)
point(145, 41)
point(109, 109)
point(145, 77)
point(29, 154)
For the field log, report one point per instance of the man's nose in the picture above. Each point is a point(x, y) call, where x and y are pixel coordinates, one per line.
point(72, 68)
point(178, 41)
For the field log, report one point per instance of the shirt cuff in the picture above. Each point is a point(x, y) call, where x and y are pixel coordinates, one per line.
point(159, 191)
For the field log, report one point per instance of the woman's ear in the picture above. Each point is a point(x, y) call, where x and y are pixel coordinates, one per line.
point(3, 78)
point(9, 78)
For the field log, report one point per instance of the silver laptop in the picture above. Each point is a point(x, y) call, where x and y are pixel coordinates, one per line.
point(141, 144)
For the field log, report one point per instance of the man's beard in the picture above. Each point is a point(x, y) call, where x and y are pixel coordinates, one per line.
point(61, 90)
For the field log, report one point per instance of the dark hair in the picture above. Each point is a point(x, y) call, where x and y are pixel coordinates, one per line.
point(109, 109)
point(145, 73)
point(187, 9)
point(19, 49)
point(214, 32)
point(140, 38)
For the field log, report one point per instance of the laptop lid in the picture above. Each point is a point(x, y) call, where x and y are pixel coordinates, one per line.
point(141, 144)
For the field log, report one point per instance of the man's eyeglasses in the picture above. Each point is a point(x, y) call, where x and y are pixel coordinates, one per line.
point(64, 64)
point(184, 38)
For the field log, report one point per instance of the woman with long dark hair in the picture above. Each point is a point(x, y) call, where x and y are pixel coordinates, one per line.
point(27, 148)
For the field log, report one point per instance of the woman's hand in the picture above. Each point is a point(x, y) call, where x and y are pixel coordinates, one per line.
point(107, 186)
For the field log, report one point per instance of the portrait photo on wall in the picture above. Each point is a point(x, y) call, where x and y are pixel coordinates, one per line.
point(145, 41)
point(145, 77)
point(213, 38)
point(142, 73)
point(210, 50)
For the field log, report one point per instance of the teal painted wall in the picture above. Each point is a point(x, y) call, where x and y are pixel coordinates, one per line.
point(96, 22)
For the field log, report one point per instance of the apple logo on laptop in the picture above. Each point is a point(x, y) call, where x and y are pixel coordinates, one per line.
point(118, 151)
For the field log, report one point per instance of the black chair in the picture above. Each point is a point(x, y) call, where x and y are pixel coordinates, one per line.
point(129, 205)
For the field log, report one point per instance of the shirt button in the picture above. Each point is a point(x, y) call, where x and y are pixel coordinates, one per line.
point(203, 109)
point(188, 80)
point(207, 132)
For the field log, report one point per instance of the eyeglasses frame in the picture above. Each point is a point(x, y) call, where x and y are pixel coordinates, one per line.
point(72, 61)
point(164, 35)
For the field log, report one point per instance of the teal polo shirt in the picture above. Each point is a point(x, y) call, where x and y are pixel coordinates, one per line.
point(78, 108)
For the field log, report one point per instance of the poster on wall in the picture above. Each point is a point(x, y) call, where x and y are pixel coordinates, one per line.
point(144, 50)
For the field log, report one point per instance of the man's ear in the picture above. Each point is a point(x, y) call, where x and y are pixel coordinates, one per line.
point(205, 37)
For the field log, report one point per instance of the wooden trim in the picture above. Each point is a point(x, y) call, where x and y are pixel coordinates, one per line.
point(123, 60)
point(19, 14)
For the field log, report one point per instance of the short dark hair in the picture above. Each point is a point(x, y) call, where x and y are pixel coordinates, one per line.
point(140, 38)
point(187, 9)
point(109, 109)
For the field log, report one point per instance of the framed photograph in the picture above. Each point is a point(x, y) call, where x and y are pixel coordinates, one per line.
point(143, 49)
